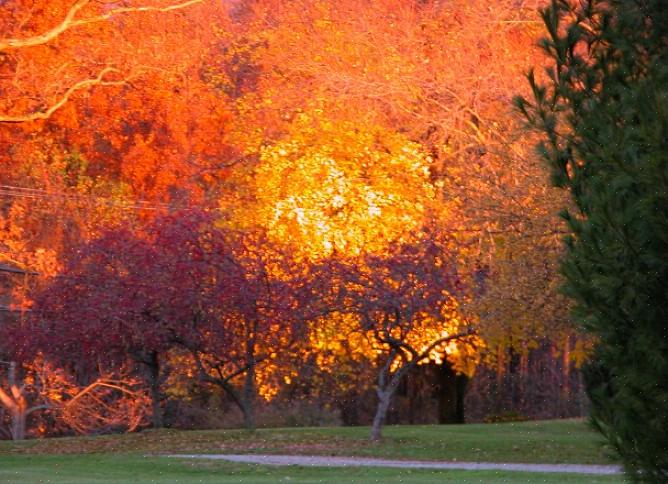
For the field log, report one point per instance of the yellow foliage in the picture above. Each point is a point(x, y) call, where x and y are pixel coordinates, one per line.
point(337, 338)
point(341, 186)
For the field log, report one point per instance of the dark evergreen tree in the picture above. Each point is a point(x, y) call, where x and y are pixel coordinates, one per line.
point(603, 110)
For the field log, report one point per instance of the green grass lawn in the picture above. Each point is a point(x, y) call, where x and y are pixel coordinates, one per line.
point(133, 457)
point(109, 468)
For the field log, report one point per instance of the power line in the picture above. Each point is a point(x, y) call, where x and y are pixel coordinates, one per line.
point(11, 191)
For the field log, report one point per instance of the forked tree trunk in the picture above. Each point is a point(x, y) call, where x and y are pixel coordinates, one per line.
point(384, 400)
point(388, 381)
point(387, 387)
point(243, 398)
point(16, 403)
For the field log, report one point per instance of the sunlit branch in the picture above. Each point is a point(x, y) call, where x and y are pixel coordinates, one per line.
point(104, 384)
point(6, 44)
point(396, 345)
point(443, 340)
point(384, 372)
point(69, 22)
point(47, 113)
point(6, 400)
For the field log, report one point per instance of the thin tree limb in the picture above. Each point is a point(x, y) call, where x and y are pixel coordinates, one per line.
point(445, 339)
point(47, 113)
point(69, 22)
point(95, 384)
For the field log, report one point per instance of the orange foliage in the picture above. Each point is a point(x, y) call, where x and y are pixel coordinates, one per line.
point(53, 49)
point(339, 128)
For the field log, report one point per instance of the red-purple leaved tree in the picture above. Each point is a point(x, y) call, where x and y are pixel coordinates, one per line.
point(225, 297)
point(103, 310)
point(247, 312)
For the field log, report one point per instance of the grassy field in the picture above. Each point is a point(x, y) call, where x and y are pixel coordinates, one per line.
point(135, 457)
point(106, 468)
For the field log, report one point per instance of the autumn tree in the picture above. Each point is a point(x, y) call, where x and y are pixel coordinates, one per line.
point(405, 303)
point(440, 75)
point(103, 307)
point(67, 68)
point(336, 187)
point(161, 113)
point(246, 319)
point(231, 302)
point(138, 295)
point(39, 79)
point(180, 283)
point(602, 115)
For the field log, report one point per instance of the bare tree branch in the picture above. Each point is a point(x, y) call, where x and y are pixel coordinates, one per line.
point(69, 22)
point(36, 408)
point(6, 44)
point(47, 113)
point(96, 384)
point(445, 339)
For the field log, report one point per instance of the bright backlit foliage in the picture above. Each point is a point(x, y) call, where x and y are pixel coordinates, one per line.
point(342, 187)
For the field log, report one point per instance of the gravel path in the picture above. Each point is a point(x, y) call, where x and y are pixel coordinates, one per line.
point(327, 461)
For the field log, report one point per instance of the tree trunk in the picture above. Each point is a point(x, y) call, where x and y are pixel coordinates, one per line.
point(15, 401)
point(566, 362)
point(385, 392)
point(384, 399)
point(500, 366)
point(19, 417)
point(248, 406)
point(249, 391)
point(153, 365)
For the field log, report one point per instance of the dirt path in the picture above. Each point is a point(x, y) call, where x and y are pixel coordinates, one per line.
point(327, 461)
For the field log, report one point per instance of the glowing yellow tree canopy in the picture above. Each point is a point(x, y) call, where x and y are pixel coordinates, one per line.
point(341, 186)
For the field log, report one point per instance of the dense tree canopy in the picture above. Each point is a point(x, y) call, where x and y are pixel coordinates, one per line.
point(245, 205)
